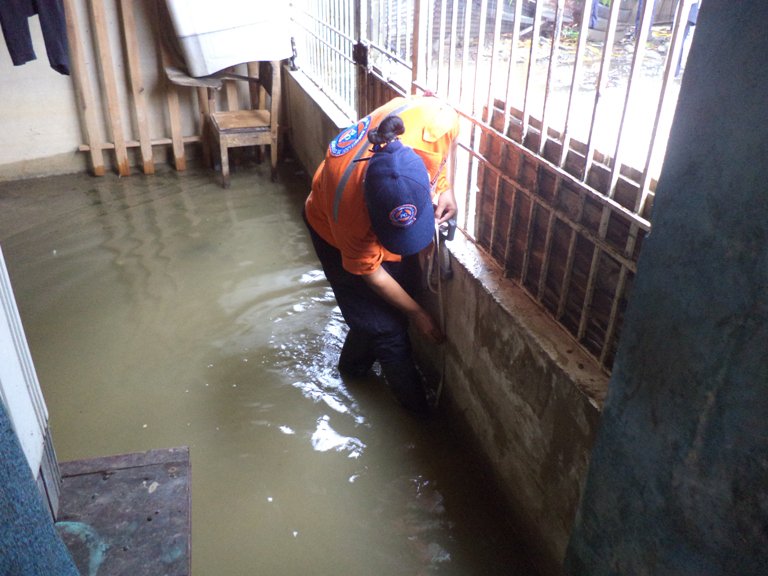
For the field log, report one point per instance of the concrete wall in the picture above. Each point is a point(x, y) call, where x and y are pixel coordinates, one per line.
point(514, 380)
point(678, 478)
point(530, 397)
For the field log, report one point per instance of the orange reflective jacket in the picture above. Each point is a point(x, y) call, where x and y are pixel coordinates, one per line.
point(336, 207)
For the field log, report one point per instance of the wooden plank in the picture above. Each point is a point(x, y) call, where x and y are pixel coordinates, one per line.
point(83, 91)
point(136, 144)
point(109, 84)
point(128, 515)
point(137, 85)
point(174, 114)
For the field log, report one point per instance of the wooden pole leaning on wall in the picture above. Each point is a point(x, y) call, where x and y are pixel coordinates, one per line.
point(174, 118)
point(109, 85)
point(83, 92)
point(137, 85)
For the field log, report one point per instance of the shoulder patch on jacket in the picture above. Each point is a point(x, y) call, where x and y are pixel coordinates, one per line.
point(350, 137)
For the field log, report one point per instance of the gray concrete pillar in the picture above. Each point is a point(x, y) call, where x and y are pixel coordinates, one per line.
point(678, 479)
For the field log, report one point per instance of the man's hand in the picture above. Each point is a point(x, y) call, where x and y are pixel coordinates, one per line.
point(426, 325)
point(387, 287)
point(446, 206)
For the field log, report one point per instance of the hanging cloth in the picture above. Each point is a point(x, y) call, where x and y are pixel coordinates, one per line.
point(14, 21)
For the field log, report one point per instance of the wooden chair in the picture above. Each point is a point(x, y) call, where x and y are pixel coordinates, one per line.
point(252, 127)
point(235, 127)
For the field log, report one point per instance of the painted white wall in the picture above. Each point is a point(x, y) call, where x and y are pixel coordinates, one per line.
point(40, 131)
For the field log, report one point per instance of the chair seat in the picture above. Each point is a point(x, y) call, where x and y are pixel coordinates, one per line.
point(242, 121)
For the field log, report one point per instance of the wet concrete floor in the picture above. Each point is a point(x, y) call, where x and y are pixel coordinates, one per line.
point(164, 311)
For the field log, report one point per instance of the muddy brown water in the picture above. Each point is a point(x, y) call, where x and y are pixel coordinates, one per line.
point(165, 311)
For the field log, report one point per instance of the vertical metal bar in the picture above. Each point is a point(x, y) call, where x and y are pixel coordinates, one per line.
point(551, 69)
point(489, 103)
point(514, 48)
point(611, 329)
point(418, 69)
point(361, 35)
point(322, 46)
point(590, 289)
point(344, 72)
point(510, 229)
point(495, 212)
point(676, 45)
point(479, 58)
point(602, 82)
point(465, 48)
point(441, 48)
point(452, 47)
point(398, 34)
point(570, 259)
point(579, 61)
point(411, 32)
point(535, 33)
point(528, 240)
point(546, 256)
point(637, 61)
point(567, 274)
point(428, 26)
point(383, 27)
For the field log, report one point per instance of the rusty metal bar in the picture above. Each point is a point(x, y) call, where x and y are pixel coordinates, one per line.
point(510, 228)
point(567, 274)
point(494, 215)
point(545, 258)
point(611, 329)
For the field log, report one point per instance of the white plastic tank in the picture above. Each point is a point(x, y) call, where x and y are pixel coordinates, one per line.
point(216, 34)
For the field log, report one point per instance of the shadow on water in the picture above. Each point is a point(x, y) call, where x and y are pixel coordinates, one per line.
point(164, 311)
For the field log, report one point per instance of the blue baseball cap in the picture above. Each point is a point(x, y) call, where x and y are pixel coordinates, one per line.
point(397, 194)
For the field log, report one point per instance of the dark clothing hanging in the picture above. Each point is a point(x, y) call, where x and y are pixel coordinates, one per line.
point(14, 15)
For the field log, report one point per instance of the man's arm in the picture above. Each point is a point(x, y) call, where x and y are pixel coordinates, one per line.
point(390, 290)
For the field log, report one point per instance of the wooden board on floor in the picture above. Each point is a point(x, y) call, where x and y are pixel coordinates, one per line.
point(128, 514)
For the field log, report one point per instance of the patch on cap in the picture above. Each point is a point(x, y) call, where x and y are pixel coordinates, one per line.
point(349, 137)
point(403, 216)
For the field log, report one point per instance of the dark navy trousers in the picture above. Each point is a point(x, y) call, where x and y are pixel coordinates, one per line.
point(379, 330)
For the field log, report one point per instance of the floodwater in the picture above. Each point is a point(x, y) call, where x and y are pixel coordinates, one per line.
point(164, 311)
